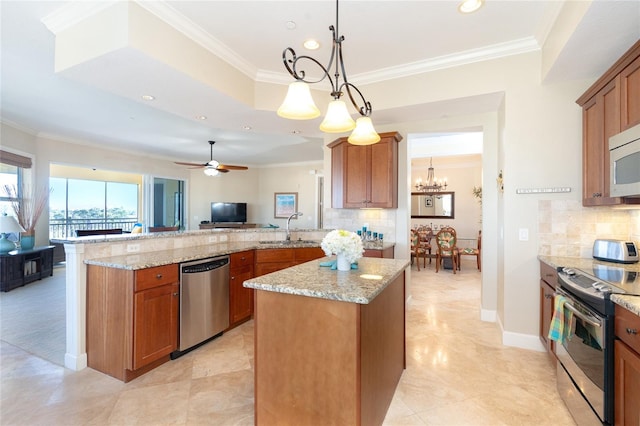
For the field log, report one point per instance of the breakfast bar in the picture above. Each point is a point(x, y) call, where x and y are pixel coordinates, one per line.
point(329, 345)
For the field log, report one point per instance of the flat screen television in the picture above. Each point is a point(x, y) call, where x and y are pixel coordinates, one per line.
point(228, 212)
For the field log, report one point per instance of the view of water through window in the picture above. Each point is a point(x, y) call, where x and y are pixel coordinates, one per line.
point(88, 204)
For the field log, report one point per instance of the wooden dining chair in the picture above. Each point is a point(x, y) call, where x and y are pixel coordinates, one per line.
point(418, 250)
point(446, 247)
point(477, 252)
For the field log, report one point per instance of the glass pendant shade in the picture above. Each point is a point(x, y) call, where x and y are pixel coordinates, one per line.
point(364, 133)
point(298, 104)
point(211, 171)
point(337, 119)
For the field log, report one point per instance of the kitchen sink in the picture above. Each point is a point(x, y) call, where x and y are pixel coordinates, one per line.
point(284, 242)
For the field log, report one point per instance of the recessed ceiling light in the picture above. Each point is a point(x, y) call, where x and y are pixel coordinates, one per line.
point(295, 132)
point(469, 6)
point(247, 127)
point(290, 25)
point(311, 44)
point(148, 97)
point(201, 117)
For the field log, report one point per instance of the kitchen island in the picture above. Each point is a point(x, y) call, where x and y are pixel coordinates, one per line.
point(329, 345)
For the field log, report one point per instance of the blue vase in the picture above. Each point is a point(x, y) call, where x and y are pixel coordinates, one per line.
point(27, 242)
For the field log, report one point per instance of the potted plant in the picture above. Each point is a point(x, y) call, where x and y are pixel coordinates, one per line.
point(27, 211)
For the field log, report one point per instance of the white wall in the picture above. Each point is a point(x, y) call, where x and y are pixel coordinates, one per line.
point(256, 187)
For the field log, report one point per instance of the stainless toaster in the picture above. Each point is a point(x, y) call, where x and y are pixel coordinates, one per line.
point(615, 251)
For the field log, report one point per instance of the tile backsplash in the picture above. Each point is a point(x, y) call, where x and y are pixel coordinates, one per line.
point(378, 220)
point(566, 228)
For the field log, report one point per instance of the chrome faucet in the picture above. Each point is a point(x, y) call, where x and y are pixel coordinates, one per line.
point(296, 214)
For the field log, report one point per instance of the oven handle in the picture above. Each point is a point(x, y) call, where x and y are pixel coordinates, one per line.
point(586, 318)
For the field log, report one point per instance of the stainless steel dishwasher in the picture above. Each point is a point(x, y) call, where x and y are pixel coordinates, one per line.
point(204, 301)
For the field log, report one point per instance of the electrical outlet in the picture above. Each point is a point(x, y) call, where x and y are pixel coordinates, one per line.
point(133, 248)
point(523, 234)
point(213, 239)
point(223, 238)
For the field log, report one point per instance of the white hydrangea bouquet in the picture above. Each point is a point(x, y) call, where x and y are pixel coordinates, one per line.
point(346, 245)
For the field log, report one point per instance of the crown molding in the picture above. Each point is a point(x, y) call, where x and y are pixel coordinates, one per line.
point(72, 13)
point(172, 17)
point(495, 51)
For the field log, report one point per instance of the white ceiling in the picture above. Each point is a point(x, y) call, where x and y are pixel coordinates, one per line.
point(383, 40)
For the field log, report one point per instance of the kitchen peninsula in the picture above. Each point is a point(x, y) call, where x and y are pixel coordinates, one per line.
point(329, 345)
point(139, 251)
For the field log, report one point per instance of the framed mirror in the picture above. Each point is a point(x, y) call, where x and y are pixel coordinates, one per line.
point(440, 205)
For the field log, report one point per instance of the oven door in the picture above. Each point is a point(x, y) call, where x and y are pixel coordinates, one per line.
point(583, 354)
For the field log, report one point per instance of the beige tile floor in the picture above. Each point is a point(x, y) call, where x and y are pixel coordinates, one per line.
point(458, 373)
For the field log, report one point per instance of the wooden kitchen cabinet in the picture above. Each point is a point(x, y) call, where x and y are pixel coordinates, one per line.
point(132, 319)
point(611, 105)
point(627, 367)
point(386, 253)
point(548, 280)
point(365, 176)
point(240, 298)
point(271, 260)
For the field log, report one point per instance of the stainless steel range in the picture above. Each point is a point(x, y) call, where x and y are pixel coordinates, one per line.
point(585, 371)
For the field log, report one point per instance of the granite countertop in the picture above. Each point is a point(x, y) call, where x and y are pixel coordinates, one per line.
point(631, 303)
point(151, 259)
point(310, 279)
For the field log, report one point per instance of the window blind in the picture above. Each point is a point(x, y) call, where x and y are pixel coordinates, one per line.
point(15, 159)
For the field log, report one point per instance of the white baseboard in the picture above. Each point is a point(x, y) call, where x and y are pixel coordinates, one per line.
point(524, 341)
point(488, 315)
point(75, 363)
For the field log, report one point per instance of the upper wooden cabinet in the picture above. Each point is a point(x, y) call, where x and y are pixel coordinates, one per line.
point(365, 176)
point(610, 106)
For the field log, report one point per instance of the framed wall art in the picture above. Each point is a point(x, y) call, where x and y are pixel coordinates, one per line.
point(285, 204)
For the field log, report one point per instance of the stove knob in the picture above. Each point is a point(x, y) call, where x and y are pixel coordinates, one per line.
point(569, 271)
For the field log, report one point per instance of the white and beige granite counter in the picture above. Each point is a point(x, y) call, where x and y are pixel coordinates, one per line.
point(586, 264)
point(310, 279)
point(632, 303)
point(134, 261)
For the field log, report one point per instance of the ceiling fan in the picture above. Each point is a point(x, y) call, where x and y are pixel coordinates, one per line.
point(212, 167)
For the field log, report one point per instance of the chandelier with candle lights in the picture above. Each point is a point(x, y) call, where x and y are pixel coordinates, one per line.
point(432, 184)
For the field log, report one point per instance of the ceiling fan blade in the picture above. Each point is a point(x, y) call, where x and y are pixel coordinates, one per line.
point(190, 164)
point(230, 167)
point(223, 170)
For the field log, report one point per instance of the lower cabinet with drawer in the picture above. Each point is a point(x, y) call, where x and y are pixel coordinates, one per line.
point(240, 298)
point(132, 319)
point(271, 260)
point(627, 367)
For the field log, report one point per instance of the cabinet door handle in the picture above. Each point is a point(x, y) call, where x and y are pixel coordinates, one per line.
point(159, 276)
point(233, 278)
point(548, 296)
point(632, 331)
point(176, 294)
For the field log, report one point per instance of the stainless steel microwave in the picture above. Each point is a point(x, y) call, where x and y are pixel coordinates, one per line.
point(624, 170)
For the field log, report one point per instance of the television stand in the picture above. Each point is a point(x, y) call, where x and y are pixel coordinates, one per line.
point(232, 225)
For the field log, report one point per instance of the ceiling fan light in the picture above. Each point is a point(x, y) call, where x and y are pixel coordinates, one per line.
point(211, 171)
point(213, 163)
point(364, 133)
point(298, 104)
point(337, 119)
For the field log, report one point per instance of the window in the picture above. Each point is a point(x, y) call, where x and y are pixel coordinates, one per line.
point(91, 204)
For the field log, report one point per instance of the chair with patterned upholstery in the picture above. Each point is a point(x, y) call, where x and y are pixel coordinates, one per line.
point(477, 252)
point(418, 250)
point(446, 247)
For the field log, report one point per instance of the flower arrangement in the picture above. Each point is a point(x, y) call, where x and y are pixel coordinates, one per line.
point(344, 243)
point(27, 209)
